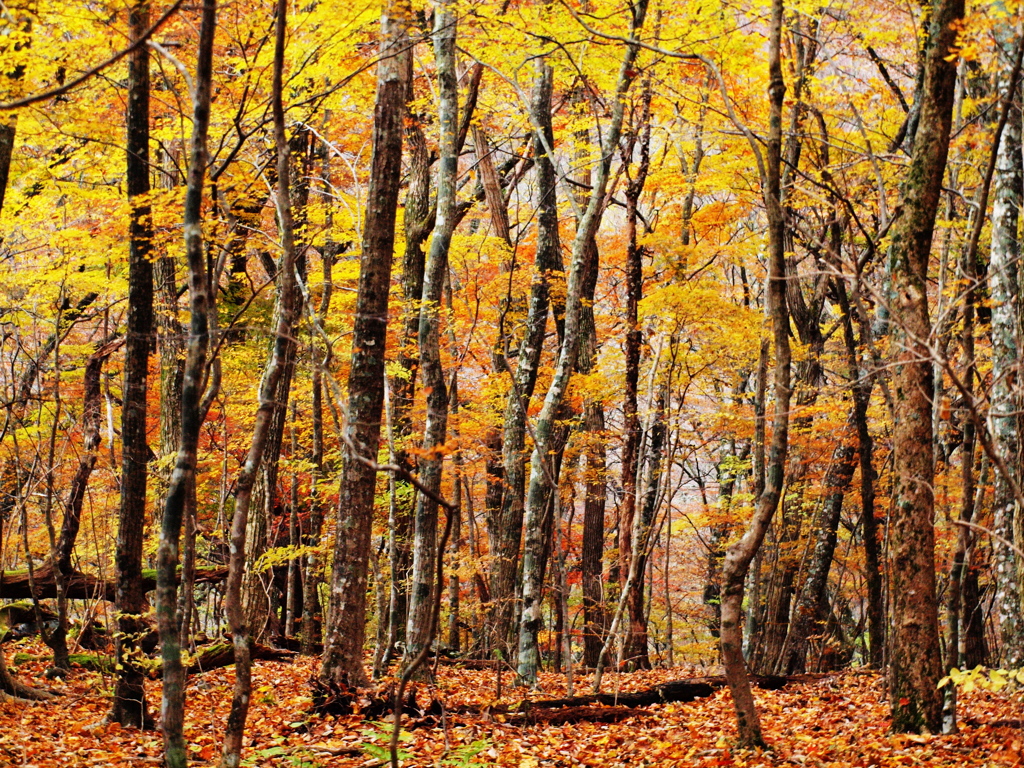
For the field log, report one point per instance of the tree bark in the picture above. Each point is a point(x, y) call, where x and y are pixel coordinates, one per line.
point(181, 489)
point(418, 219)
point(740, 554)
point(1005, 399)
point(343, 646)
point(914, 658)
point(636, 642)
point(418, 631)
point(129, 703)
point(543, 475)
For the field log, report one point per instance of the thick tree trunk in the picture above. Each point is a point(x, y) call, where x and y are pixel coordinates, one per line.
point(129, 703)
point(543, 477)
point(343, 646)
point(740, 554)
point(914, 658)
point(1005, 403)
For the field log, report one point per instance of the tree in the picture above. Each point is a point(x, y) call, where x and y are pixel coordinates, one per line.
point(435, 426)
point(129, 704)
point(739, 555)
point(287, 309)
point(543, 474)
point(914, 649)
point(343, 647)
point(193, 405)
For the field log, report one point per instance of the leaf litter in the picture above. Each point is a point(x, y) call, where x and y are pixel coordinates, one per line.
point(839, 721)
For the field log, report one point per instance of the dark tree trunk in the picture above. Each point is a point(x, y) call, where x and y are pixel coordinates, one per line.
point(636, 642)
point(129, 703)
point(91, 420)
point(914, 656)
point(637, 653)
point(343, 645)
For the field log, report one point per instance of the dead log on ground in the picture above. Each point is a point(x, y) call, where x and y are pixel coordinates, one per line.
point(672, 691)
point(16, 585)
point(222, 654)
point(600, 708)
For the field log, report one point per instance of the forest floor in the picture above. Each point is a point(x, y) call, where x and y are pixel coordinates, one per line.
point(836, 721)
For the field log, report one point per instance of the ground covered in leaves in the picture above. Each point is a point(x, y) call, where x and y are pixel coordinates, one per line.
point(837, 721)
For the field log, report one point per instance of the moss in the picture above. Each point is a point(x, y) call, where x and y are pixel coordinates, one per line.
point(90, 661)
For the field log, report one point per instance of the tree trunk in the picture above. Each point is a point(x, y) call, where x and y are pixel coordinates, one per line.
point(129, 704)
point(811, 610)
point(418, 219)
point(181, 490)
point(91, 420)
point(508, 524)
point(343, 646)
point(636, 642)
point(637, 654)
point(1005, 403)
point(739, 555)
point(287, 316)
point(435, 430)
point(543, 477)
point(914, 658)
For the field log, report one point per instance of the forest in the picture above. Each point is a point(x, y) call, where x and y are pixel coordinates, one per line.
point(511, 382)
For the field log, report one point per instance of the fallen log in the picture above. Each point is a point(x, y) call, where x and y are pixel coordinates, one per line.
point(222, 654)
point(16, 585)
point(598, 708)
point(672, 691)
point(582, 714)
point(90, 661)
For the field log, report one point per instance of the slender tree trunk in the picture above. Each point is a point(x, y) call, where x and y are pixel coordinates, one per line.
point(419, 219)
point(543, 477)
point(343, 648)
point(914, 658)
point(811, 611)
point(508, 524)
point(129, 704)
point(739, 555)
point(181, 489)
point(287, 316)
point(636, 642)
point(91, 420)
point(435, 429)
point(310, 628)
point(638, 654)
